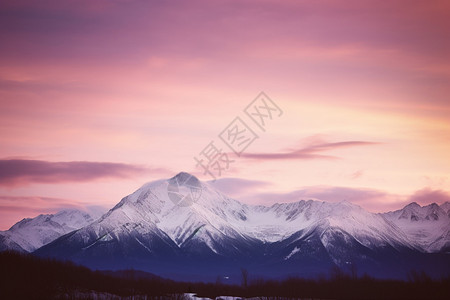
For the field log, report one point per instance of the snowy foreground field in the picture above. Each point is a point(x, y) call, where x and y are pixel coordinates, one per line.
point(191, 296)
point(186, 296)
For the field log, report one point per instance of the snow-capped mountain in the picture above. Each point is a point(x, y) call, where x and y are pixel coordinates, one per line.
point(428, 226)
point(183, 226)
point(32, 233)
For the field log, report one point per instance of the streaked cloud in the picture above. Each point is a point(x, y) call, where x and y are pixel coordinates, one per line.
point(16, 172)
point(309, 152)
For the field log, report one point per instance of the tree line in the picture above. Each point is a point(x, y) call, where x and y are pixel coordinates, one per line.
point(24, 276)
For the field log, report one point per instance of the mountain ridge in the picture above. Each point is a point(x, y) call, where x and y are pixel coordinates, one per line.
point(30, 234)
point(181, 224)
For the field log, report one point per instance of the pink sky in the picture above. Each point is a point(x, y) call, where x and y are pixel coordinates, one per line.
point(100, 97)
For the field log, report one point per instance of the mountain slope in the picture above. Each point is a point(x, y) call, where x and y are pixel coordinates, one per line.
point(149, 226)
point(32, 233)
point(181, 227)
point(427, 226)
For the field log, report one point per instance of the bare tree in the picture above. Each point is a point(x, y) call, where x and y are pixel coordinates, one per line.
point(244, 274)
point(219, 280)
point(354, 270)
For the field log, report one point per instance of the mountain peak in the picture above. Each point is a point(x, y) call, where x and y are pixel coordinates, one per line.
point(184, 178)
point(433, 205)
point(412, 205)
point(184, 189)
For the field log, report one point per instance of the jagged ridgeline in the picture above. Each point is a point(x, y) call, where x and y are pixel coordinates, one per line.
point(185, 229)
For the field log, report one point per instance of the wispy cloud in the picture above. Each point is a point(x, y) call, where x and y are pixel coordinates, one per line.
point(371, 199)
point(357, 174)
point(16, 172)
point(31, 205)
point(324, 193)
point(236, 187)
point(310, 152)
point(428, 195)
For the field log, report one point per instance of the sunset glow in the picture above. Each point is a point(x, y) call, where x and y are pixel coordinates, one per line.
point(99, 97)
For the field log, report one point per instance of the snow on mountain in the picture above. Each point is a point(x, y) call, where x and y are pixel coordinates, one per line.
point(150, 211)
point(181, 227)
point(186, 226)
point(32, 233)
point(214, 218)
point(222, 215)
point(446, 207)
point(427, 226)
point(187, 211)
point(275, 223)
